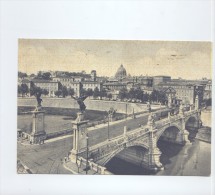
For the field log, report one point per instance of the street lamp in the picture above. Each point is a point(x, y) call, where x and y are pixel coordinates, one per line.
point(110, 112)
point(87, 147)
point(87, 166)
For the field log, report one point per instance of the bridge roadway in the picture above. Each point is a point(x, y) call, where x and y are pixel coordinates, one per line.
point(101, 134)
point(46, 159)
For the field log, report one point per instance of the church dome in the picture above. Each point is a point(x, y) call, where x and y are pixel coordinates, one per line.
point(121, 72)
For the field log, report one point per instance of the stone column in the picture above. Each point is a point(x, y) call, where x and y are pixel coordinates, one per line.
point(79, 137)
point(182, 137)
point(154, 152)
point(181, 110)
point(133, 114)
point(170, 101)
point(197, 102)
point(38, 134)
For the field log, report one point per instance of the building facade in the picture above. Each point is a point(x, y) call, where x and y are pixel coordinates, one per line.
point(160, 79)
point(185, 92)
point(114, 86)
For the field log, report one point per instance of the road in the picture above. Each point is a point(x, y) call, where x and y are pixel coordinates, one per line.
point(46, 158)
point(101, 134)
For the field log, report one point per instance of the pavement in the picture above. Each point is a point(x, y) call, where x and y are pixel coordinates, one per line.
point(48, 158)
point(78, 170)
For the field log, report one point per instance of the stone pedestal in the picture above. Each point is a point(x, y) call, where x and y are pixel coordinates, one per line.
point(185, 135)
point(38, 134)
point(154, 153)
point(197, 102)
point(79, 137)
point(169, 100)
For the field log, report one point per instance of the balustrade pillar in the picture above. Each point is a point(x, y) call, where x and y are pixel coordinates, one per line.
point(79, 137)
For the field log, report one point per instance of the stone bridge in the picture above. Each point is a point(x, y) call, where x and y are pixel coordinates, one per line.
point(173, 129)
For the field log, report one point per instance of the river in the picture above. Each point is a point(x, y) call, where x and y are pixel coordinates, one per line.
point(188, 160)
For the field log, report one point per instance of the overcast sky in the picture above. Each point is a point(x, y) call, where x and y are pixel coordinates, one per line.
point(189, 60)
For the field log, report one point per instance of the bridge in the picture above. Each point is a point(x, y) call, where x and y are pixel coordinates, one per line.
point(172, 129)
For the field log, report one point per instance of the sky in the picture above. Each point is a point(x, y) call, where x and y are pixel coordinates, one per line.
point(188, 60)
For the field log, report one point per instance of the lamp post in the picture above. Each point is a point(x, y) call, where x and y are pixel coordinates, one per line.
point(110, 113)
point(87, 151)
point(108, 126)
point(87, 138)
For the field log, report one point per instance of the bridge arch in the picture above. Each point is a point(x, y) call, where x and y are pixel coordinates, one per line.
point(144, 148)
point(192, 122)
point(192, 126)
point(170, 134)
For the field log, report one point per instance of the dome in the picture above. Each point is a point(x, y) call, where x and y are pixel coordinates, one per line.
point(121, 72)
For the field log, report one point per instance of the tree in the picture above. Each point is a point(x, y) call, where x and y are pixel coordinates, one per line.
point(43, 76)
point(45, 91)
point(58, 93)
point(138, 94)
point(89, 92)
point(24, 89)
point(109, 96)
point(19, 89)
point(145, 97)
point(131, 93)
point(46, 76)
point(162, 97)
point(123, 93)
point(34, 89)
point(154, 96)
point(83, 92)
point(22, 74)
point(32, 75)
point(64, 91)
point(103, 93)
point(71, 92)
point(96, 92)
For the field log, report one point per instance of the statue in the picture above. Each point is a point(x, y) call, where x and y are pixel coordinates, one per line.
point(39, 100)
point(80, 101)
point(151, 119)
point(149, 106)
point(181, 108)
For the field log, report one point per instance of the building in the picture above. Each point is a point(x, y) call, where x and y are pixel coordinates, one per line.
point(208, 91)
point(91, 85)
point(93, 75)
point(184, 92)
point(145, 81)
point(50, 86)
point(114, 86)
point(160, 79)
point(121, 73)
point(67, 80)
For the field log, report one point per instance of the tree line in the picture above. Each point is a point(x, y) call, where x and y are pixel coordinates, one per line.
point(137, 93)
point(63, 91)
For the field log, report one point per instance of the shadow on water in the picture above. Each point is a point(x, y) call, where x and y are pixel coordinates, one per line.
point(192, 135)
point(120, 167)
point(168, 150)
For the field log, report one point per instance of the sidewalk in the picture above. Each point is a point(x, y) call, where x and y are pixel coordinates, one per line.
point(78, 171)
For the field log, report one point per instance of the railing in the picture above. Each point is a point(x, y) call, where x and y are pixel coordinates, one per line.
point(115, 143)
point(174, 118)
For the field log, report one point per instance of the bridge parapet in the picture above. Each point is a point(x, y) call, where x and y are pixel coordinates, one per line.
point(145, 136)
point(172, 119)
point(118, 143)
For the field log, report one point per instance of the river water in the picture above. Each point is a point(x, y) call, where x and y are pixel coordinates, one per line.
point(188, 160)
